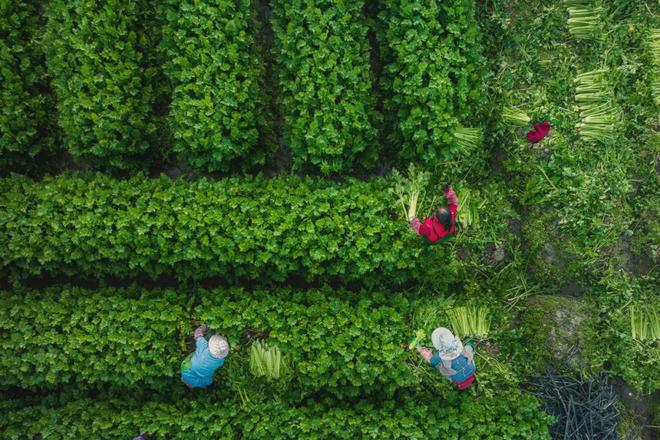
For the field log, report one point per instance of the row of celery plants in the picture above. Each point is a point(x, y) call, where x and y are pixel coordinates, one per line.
point(343, 342)
point(104, 77)
point(27, 120)
point(218, 100)
point(513, 415)
point(322, 56)
point(431, 57)
point(250, 228)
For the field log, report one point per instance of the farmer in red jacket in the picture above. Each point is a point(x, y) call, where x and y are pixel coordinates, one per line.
point(442, 225)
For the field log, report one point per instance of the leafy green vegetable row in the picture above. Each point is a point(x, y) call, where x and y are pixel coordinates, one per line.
point(322, 54)
point(72, 335)
point(103, 77)
point(217, 101)
point(26, 122)
point(512, 415)
point(235, 229)
point(431, 77)
point(130, 337)
point(350, 345)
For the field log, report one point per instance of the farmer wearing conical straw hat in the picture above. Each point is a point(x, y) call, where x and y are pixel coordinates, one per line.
point(452, 359)
point(198, 368)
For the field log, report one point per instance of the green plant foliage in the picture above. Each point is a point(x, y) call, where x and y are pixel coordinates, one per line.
point(585, 19)
point(468, 207)
point(612, 345)
point(599, 116)
point(654, 44)
point(266, 361)
point(72, 335)
point(103, 80)
point(217, 102)
point(322, 54)
point(431, 55)
point(468, 139)
point(470, 321)
point(248, 228)
point(27, 121)
point(515, 117)
point(645, 322)
point(513, 416)
point(346, 343)
point(349, 345)
point(408, 189)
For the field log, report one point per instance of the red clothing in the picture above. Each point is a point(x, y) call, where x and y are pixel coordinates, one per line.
point(434, 230)
point(540, 131)
point(466, 383)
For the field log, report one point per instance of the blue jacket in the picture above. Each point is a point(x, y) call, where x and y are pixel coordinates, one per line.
point(463, 368)
point(198, 368)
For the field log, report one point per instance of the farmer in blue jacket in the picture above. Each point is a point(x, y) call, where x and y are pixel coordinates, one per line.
point(452, 360)
point(198, 368)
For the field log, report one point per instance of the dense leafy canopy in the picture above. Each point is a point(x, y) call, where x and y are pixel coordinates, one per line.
point(217, 102)
point(249, 228)
point(410, 416)
point(326, 270)
point(432, 74)
point(27, 120)
point(323, 70)
point(96, 53)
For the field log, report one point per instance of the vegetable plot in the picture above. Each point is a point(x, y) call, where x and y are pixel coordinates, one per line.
point(330, 337)
point(72, 335)
point(237, 229)
point(322, 55)
point(512, 415)
point(218, 101)
point(128, 337)
point(96, 55)
point(431, 54)
point(27, 122)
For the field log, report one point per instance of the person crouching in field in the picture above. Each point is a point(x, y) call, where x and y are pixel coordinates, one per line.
point(198, 368)
point(442, 225)
point(452, 360)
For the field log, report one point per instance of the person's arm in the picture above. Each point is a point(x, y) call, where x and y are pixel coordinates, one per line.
point(468, 352)
point(446, 369)
point(452, 201)
point(415, 224)
point(201, 344)
point(425, 353)
point(435, 360)
point(450, 195)
point(420, 228)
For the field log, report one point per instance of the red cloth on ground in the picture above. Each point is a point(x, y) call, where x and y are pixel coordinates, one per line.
point(466, 383)
point(540, 131)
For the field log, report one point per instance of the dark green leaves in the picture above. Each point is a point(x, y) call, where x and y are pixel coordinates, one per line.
point(323, 55)
point(236, 229)
point(104, 83)
point(73, 335)
point(431, 56)
point(217, 104)
point(27, 120)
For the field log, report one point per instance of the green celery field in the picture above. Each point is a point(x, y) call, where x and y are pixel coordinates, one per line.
point(329, 219)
